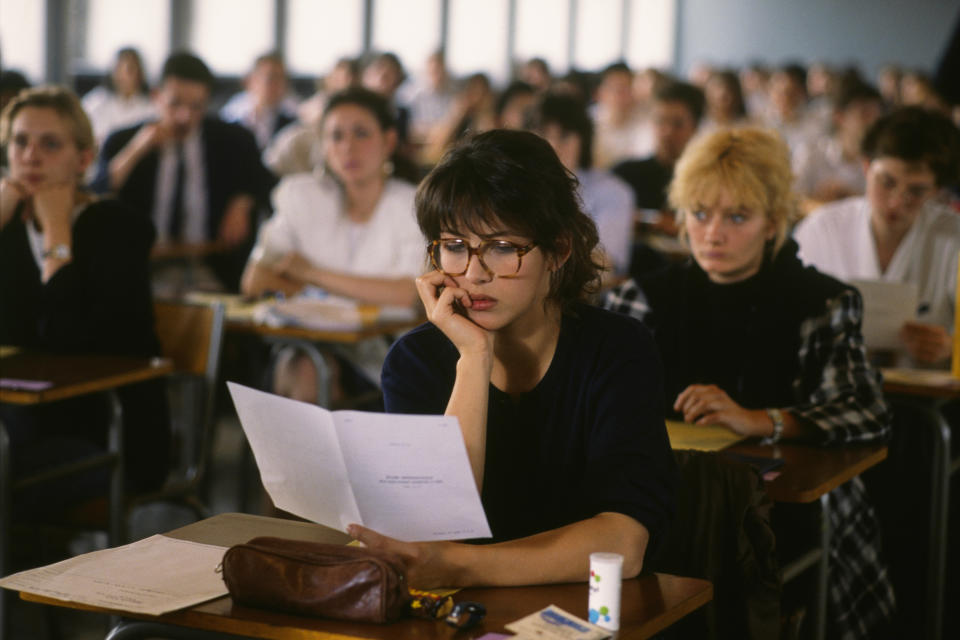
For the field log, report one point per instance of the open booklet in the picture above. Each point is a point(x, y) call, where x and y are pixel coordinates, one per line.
point(404, 476)
point(886, 307)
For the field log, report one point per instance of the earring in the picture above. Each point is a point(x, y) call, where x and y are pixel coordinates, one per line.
point(388, 167)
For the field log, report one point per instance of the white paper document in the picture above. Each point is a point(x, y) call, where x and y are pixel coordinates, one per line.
point(886, 307)
point(153, 576)
point(404, 476)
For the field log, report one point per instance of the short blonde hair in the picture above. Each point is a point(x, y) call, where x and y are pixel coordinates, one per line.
point(60, 99)
point(751, 164)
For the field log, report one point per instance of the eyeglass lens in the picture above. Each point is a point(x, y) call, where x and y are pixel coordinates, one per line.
point(501, 258)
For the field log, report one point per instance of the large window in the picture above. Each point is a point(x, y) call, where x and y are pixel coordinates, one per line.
point(229, 34)
point(598, 33)
point(113, 24)
point(318, 33)
point(478, 38)
point(408, 28)
point(22, 37)
point(543, 31)
point(651, 39)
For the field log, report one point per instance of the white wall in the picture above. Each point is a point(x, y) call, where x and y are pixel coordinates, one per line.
point(870, 33)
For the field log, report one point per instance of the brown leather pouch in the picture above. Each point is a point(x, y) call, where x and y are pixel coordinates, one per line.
point(315, 579)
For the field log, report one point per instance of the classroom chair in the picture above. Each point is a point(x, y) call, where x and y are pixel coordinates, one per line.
point(191, 335)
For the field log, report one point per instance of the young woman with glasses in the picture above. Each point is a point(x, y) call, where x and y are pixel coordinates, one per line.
point(560, 403)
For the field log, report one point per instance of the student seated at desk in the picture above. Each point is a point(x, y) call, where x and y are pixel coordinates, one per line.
point(559, 402)
point(898, 231)
point(73, 279)
point(753, 341)
point(349, 229)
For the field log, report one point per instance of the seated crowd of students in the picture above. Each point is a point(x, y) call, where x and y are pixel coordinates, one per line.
point(527, 204)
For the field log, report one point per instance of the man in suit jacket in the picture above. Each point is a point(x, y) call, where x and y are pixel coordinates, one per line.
point(198, 177)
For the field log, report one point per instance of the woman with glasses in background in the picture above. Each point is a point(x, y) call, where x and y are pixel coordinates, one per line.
point(348, 229)
point(559, 402)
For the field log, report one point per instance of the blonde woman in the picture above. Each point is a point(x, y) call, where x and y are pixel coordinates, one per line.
point(75, 280)
point(754, 341)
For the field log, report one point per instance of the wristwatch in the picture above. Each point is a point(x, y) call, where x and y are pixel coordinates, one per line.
point(777, 418)
point(58, 251)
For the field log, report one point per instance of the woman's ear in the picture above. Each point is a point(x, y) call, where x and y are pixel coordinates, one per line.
point(86, 159)
point(564, 249)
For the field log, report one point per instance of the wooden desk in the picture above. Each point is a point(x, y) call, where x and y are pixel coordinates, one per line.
point(927, 391)
point(71, 376)
point(810, 472)
point(650, 603)
point(74, 375)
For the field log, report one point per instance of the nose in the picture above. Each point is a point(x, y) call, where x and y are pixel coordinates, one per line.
point(476, 271)
point(713, 230)
point(31, 152)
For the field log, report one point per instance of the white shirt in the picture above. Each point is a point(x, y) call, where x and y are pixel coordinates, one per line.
point(615, 142)
point(308, 218)
point(108, 111)
point(821, 162)
point(194, 228)
point(837, 240)
point(609, 201)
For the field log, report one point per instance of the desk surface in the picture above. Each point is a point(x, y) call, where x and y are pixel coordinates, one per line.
point(921, 382)
point(650, 603)
point(241, 313)
point(808, 471)
point(345, 336)
point(74, 375)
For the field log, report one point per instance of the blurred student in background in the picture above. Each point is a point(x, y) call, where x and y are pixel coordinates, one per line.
point(196, 177)
point(899, 231)
point(348, 229)
point(677, 110)
point(123, 99)
point(724, 100)
point(74, 278)
point(831, 166)
point(296, 148)
point(622, 129)
point(265, 106)
point(563, 121)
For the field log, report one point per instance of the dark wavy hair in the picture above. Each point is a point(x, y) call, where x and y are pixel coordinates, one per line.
point(915, 134)
point(514, 179)
point(378, 106)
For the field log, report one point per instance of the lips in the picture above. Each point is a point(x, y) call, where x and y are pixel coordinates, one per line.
point(481, 303)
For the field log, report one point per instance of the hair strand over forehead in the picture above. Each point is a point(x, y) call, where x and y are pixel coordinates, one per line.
point(751, 165)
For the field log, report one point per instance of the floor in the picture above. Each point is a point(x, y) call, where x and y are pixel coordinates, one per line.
point(36, 622)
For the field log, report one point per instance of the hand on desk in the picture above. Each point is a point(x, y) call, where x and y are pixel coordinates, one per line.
point(709, 404)
point(927, 343)
point(425, 562)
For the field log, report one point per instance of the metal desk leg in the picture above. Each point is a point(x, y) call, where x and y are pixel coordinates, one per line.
point(117, 533)
point(823, 571)
point(939, 512)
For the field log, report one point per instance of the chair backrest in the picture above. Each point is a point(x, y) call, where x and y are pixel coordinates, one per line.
point(191, 334)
